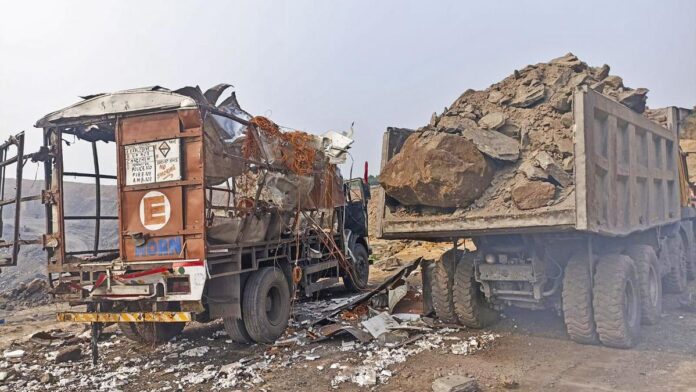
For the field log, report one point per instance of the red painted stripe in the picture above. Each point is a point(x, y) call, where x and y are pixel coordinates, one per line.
point(100, 280)
point(188, 264)
point(142, 273)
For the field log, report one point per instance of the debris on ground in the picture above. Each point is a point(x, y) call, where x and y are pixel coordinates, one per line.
point(508, 147)
point(26, 295)
point(455, 384)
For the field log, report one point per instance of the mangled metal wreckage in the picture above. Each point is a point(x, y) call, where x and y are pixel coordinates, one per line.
point(220, 214)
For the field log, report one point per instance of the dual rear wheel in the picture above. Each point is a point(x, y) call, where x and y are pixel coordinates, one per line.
point(625, 292)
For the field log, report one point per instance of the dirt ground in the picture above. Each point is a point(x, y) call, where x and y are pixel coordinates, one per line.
point(531, 354)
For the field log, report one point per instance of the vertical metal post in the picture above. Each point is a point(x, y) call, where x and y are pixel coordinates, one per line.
point(18, 195)
point(97, 187)
point(3, 156)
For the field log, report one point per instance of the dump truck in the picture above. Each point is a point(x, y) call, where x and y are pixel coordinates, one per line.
point(219, 215)
point(601, 257)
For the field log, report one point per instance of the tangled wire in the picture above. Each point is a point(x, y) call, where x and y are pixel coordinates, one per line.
point(295, 148)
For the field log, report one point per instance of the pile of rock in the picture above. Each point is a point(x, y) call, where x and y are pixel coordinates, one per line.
point(519, 129)
point(26, 295)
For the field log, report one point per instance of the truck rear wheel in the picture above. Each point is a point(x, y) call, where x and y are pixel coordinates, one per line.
point(152, 333)
point(616, 301)
point(469, 305)
point(442, 286)
point(361, 269)
point(266, 305)
point(675, 281)
point(577, 301)
point(236, 329)
point(648, 271)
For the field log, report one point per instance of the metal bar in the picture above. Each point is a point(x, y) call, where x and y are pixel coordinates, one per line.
point(97, 187)
point(89, 175)
point(84, 252)
point(88, 217)
point(9, 161)
point(23, 199)
point(21, 242)
point(130, 317)
point(3, 155)
point(18, 196)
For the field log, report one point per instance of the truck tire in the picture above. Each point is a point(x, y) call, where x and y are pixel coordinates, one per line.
point(442, 286)
point(675, 281)
point(152, 333)
point(266, 305)
point(648, 270)
point(469, 304)
point(616, 301)
point(361, 264)
point(236, 329)
point(577, 301)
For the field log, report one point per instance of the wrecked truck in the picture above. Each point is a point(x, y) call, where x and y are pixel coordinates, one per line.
point(600, 254)
point(219, 215)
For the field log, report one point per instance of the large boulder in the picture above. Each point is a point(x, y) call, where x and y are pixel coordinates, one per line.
point(437, 169)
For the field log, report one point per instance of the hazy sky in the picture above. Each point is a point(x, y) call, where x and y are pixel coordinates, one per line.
point(320, 65)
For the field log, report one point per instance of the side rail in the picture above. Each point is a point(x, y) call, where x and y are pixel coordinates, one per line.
point(12, 154)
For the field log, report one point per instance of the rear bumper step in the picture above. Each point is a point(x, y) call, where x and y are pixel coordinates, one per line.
point(125, 317)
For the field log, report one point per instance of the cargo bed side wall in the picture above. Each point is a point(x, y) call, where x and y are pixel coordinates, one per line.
point(625, 167)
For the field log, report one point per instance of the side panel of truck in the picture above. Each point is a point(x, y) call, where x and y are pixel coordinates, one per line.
point(626, 168)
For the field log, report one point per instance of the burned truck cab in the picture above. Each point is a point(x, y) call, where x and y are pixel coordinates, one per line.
point(209, 205)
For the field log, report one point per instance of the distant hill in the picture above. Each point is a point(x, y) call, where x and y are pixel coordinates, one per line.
point(79, 200)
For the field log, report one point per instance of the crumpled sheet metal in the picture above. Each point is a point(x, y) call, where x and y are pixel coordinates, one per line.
point(403, 273)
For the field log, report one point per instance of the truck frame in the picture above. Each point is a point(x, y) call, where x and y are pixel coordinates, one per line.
point(600, 257)
point(191, 243)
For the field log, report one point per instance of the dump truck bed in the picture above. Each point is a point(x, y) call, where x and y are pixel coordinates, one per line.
point(626, 179)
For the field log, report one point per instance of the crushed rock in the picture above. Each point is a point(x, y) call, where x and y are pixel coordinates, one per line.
point(532, 107)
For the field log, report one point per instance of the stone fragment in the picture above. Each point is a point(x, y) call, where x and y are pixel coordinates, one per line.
point(568, 164)
point(550, 167)
point(634, 99)
point(454, 124)
point(598, 87)
point(73, 353)
point(560, 102)
point(613, 81)
point(567, 120)
point(47, 378)
point(511, 130)
point(495, 96)
point(532, 171)
point(493, 144)
point(455, 383)
point(533, 194)
point(437, 169)
point(528, 96)
point(392, 338)
point(579, 79)
point(492, 120)
point(601, 72)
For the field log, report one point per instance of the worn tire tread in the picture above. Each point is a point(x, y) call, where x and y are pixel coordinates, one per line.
point(643, 256)
point(612, 329)
point(577, 301)
point(442, 284)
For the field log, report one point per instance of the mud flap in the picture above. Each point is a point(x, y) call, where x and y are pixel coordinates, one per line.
point(224, 297)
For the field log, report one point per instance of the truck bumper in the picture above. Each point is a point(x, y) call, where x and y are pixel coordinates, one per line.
point(125, 317)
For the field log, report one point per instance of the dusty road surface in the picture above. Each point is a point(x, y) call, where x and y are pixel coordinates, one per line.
point(528, 351)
